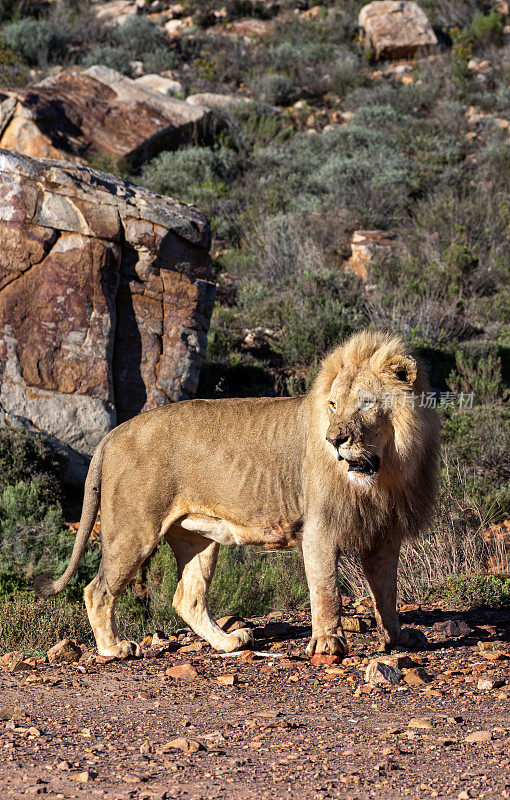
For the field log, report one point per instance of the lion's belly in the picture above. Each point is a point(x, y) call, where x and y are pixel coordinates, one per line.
point(276, 535)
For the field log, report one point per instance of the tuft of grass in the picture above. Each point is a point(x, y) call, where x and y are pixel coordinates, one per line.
point(33, 626)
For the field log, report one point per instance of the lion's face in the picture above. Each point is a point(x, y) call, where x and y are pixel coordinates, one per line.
point(360, 421)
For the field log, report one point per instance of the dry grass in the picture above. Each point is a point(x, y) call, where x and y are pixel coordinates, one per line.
point(453, 546)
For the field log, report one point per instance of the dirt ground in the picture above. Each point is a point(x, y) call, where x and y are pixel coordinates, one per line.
point(275, 726)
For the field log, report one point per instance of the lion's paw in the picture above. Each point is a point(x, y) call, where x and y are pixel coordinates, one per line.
point(331, 644)
point(413, 639)
point(239, 640)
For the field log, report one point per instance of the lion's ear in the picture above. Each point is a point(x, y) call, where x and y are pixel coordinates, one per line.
point(405, 369)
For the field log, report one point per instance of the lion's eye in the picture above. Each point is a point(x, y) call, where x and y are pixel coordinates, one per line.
point(366, 400)
point(332, 405)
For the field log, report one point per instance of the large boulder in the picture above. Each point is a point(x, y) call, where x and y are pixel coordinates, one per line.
point(396, 29)
point(75, 114)
point(105, 301)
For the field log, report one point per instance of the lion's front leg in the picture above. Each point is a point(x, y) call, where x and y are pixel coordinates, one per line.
point(380, 568)
point(320, 558)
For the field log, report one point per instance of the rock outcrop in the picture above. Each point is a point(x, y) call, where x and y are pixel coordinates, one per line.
point(396, 29)
point(105, 300)
point(365, 247)
point(75, 114)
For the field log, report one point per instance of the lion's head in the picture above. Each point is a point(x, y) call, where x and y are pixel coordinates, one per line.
point(371, 397)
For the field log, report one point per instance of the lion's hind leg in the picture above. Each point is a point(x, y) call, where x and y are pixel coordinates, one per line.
point(196, 561)
point(100, 603)
point(123, 555)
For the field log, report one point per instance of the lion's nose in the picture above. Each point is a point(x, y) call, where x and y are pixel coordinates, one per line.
point(337, 440)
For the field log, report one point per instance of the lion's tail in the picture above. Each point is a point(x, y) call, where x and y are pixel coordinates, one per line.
point(44, 585)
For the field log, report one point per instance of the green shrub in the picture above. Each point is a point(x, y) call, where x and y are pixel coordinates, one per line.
point(323, 308)
point(185, 173)
point(33, 535)
point(160, 59)
point(276, 89)
point(32, 39)
point(34, 538)
point(138, 36)
point(483, 378)
point(487, 28)
point(474, 590)
point(25, 456)
point(109, 56)
point(13, 69)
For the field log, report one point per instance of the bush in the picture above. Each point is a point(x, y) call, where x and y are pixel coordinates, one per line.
point(487, 28)
point(322, 309)
point(109, 56)
point(32, 39)
point(27, 457)
point(197, 175)
point(275, 89)
point(33, 535)
point(12, 68)
point(138, 36)
point(474, 590)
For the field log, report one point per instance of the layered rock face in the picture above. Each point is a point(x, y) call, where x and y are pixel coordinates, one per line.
point(105, 301)
point(396, 29)
point(73, 114)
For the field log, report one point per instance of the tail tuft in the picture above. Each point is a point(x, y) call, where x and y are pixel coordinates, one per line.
point(44, 586)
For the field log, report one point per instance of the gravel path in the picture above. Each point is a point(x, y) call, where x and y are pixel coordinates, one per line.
point(275, 726)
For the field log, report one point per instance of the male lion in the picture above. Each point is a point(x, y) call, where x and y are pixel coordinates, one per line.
point(352, 464)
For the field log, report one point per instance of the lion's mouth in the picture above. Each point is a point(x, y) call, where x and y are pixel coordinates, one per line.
point(368, 465)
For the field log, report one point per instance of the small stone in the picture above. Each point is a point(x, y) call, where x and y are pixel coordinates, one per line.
point(227, 680)
point(146, 641)
point(232, 623)
point(453, 627)
point(195, 647)
point(146, 748)
point(405, 607)
point(159, 639)
point(325, 658)
point(186, 745)
point(184, 671)
point(65, 652)
point(10, 661)
point(379, 673)
point(354, 624)
point(479, 736)
point(417, 677)
point(487, 682)
point(81, 777)
point(422, 723)
point(64, 766)
point(132, 777)
point(275, 629)
point(247, 656)
point(402, 662)
point(494, 651)
point(412, 638)
point(455, 720)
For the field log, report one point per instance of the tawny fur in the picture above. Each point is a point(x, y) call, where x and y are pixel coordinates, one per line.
point(260, 471)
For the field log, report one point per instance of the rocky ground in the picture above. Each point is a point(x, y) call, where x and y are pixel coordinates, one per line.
point(188, 722)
